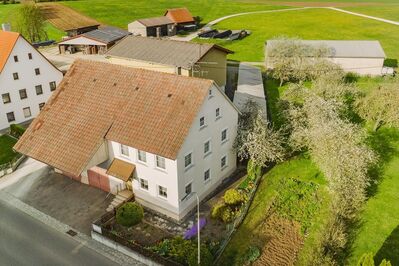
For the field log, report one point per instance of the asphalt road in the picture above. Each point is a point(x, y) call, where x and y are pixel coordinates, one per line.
point(27, 241)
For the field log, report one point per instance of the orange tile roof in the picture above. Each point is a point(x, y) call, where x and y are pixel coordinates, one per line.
point(7, 42)
point(144, 109)
point(179, 15)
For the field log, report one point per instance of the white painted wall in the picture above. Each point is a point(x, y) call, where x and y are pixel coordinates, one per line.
point(82, 41)
point(361, 66)
point(156, 177)
point(175, 177)
point(195, 143)
point(137, 28)
point(27, 80)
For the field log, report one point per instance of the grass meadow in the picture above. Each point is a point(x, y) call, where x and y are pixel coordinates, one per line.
point(120, 13)
point(7, 13)
point(311, 24)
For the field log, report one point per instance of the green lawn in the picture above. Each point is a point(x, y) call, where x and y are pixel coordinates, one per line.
point(6, 152)
point(387, 11)
point(247, 234)
point(306, 24)
point(121, 12)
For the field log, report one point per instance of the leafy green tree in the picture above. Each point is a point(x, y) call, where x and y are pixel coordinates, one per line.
point(30, 22)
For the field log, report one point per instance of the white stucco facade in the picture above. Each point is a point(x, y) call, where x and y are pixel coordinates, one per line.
point(27, 80)
point(175, 177)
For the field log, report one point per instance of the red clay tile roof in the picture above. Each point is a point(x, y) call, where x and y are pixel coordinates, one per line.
point(8, 40)
point(179, 15)
point(144, 109)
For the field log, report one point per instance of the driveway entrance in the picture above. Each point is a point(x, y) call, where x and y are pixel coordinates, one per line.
point(61, 197)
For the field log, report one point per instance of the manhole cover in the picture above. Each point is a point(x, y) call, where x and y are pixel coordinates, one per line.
point(71, 233)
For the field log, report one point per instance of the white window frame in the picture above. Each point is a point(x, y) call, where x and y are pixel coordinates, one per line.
point(206, 153)
point(186, 167)
point(9, 97)
point(140, 184)
point(28, 109)
point(227, 135)
point(202, 118)
point(209, 177)
point(226, 163)
point(159, 192)
point(191, 189)
point(145, 157)
point(121, 148)
point(217, 116)
point(157, 157)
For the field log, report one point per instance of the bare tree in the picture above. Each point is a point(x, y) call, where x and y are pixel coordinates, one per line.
point(293, 60)
point(381, 106)
point(259, 142)
point(30, 22)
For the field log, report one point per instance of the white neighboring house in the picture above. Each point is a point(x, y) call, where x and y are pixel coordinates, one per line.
point(163, 136)
point(360, 57)
point(27, 79)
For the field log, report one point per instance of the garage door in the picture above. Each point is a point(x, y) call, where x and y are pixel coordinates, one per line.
point(98, 178)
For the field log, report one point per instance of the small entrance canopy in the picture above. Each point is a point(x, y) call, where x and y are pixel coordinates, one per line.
point(121, 169)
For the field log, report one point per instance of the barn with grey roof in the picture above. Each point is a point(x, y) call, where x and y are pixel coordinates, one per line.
point(183, 58)
point(93, 42)
point(358, 56)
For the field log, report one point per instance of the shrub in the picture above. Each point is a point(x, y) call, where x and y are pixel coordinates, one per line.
point(17, 130)
point(223, 212)
point(217, 210)
point(233, 197)
point(129, 214)
point(206, 257)
point(183, 251)
point(253, 170)
point(227, 215)
point(251, 255)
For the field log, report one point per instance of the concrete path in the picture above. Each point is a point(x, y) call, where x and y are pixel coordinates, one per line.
point(364, 16)
point(26, 168)
point(250, 87)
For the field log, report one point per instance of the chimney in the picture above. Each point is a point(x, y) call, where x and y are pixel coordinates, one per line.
point(6, 26)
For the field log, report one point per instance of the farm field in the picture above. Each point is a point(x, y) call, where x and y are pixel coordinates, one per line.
point(256, 229)
point(120, 13)
point(303, 23)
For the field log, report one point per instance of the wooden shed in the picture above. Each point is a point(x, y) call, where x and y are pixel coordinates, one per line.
point(93, 42)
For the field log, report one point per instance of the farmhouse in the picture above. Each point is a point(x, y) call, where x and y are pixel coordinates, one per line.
point(93, 42)
point(163, 136)
point(361, 57)
point(181, 17)
point(153, 27)
point(27, 79)
point(182, 58)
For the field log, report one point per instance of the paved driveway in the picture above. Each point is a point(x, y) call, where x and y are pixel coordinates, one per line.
point(66, 200)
